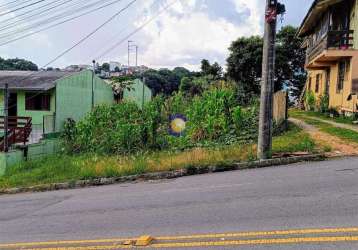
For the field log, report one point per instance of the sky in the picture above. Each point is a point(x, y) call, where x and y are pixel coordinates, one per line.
point(184, 34)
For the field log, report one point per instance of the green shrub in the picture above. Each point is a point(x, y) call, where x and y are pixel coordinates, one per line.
point(323, 104)
point(310, 101)
point(111, 129)
point(213, 118)
point(209, 116)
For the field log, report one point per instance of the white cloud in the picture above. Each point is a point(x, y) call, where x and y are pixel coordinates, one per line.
point(186, 34)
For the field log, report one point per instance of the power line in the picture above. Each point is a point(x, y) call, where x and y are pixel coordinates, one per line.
point(33, 15)
point(57, 24)
point(115, 36)
point(10, 4)
point(51, 19)
point(78, 43)
point(93, 32)
point(20, 8)
point(136, 30)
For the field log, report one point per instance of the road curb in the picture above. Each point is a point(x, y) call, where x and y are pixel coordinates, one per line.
point(189, 171)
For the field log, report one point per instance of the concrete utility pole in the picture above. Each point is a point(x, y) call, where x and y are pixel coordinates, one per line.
point(129, 51)
point(264, 150)
point(6, 118)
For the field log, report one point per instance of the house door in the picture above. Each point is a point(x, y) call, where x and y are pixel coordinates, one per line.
point(13, 104)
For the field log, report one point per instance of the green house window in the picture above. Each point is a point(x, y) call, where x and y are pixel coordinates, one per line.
point(37, 101)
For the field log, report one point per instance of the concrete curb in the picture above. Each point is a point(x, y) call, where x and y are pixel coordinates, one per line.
point(164, 175)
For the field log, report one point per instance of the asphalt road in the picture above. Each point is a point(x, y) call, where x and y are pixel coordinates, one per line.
point(316, 195)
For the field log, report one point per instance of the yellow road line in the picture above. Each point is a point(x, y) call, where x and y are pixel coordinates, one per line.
point(262, 233)
point(188, 237)
point(69, 242)
point(219, 243)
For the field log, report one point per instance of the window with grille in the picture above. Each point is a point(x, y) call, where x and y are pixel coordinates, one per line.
point(341, 75)
point(37, 102)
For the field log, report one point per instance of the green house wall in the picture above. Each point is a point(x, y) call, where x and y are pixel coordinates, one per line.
point(74, 96)
point(138, 93)
point(37, 116)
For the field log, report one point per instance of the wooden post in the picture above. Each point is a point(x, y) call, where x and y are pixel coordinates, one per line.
point(6, 118)
point(264, 150)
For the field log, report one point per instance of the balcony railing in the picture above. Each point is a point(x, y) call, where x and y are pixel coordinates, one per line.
point(334, 39)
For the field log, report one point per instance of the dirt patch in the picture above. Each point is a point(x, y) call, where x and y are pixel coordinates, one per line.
point(339, 147)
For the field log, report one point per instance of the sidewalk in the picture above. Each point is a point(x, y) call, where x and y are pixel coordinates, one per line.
point(339, 147)
point(336, 124)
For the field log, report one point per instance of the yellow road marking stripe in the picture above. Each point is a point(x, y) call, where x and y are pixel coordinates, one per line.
point(69, 242)
point(262, 233)
point(219, 243)
point(188, 237)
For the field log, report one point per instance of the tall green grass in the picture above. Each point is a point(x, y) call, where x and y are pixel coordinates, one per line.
point(61, 168)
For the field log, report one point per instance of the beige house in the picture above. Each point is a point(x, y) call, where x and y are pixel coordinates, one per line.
point(330, 32)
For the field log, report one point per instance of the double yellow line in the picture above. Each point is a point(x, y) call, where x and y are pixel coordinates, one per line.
point(203, 240)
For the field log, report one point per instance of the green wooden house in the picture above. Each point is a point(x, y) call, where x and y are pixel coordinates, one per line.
point(51, 97)
point(138, 92)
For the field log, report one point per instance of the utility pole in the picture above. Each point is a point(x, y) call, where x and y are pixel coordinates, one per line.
point(264, 150)
point(93, 75)
point(136, 55)
point(6, 118)
point(129, 51)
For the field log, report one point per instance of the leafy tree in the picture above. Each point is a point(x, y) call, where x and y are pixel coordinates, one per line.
point(105, 67)
point(182, 72)
point(185, 84)
point(205, 67)
point(165, 81)
point(216, 71)
point(120, 84)
point(290, 61)
point(116, 69)
point(245, 62)
point(17, 64)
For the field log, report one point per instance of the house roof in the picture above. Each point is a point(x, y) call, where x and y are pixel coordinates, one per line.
point(318, 7)
point(32, 80)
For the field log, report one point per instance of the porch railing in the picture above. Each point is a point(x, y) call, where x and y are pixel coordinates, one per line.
point(334, 39)
point(19, 130)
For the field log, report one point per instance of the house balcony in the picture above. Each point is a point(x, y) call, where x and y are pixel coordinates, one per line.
point(335, 40)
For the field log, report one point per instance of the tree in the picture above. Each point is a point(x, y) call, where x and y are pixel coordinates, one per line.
point(182, 72)
point(290, 62)
point(17, 64)
point(116, 69)
point(120, 84)
point(244, 63)
point(205, 67)
point(105, 67)
point(216, 71)
point(185, 84)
